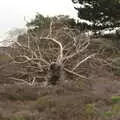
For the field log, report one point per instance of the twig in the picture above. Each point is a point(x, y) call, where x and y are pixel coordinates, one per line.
point(51, 24)
point(34, 78)
point(76, 53)
point(31, 59)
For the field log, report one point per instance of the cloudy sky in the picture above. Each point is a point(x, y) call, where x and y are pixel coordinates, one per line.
point(12, 12)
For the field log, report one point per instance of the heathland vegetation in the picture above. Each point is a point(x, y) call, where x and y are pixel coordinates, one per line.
point(57, 71)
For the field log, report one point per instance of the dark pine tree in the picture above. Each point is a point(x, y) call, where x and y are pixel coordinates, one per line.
point(102, 13)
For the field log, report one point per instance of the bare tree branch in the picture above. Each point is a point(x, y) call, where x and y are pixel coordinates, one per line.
point(51, 24)
point(77, 52)
point(60, 45)
point(76, 74)
point(84, 60)
point(34, 78)
point(20, 80)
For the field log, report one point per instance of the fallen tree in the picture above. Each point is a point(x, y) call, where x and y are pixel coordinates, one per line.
point(50, 56)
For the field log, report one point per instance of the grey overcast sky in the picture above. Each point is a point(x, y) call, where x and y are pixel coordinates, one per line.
point(12, 12)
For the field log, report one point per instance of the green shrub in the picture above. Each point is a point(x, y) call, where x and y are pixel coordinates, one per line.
point(108, 114)
point(116, 109)
point(115, 99)
point(90, 109)
point(44, 102)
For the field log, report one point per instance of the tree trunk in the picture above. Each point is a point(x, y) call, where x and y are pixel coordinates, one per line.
point(55, 73)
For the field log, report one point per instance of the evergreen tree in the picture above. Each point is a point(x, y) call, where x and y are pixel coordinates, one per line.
point(102, 13)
